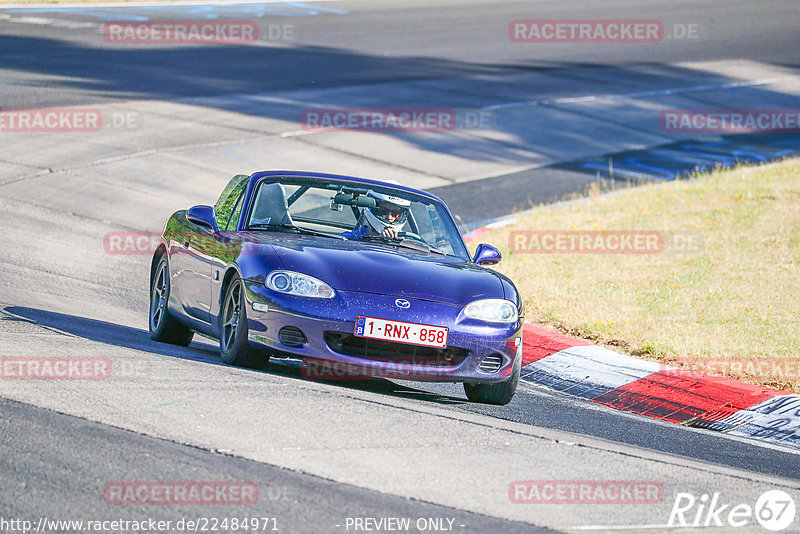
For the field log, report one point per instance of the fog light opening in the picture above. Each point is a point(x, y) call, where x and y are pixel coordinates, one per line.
point(291, 336)
point(491, 364)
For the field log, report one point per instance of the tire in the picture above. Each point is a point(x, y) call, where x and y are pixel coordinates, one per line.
point(163, 325)
point(233, 345)
point(500, 394)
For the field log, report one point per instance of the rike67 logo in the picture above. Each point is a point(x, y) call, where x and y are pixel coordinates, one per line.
point(774, 510)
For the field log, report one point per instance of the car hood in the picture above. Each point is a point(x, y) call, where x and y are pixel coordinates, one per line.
point(373, 268)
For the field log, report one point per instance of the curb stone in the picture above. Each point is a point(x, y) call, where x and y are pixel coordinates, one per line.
point(597, 374)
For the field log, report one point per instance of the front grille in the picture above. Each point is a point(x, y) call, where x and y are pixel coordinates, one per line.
point(291, 336)
point(491, 364)
point(390, 351)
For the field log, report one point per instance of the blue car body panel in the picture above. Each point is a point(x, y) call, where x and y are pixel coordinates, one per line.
point(367, 278)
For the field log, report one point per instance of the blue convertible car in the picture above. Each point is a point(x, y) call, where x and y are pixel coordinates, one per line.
point(355, 277)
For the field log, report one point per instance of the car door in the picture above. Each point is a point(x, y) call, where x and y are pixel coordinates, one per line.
point(194, 277)
point(228, 210)
point(200, 246)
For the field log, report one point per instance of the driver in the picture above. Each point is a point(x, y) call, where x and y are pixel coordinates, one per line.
point(385, 219)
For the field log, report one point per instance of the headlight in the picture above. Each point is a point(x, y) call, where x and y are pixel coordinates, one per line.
point(492, 311)
point(299, 284)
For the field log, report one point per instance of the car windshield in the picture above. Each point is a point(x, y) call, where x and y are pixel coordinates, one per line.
point(338, 209)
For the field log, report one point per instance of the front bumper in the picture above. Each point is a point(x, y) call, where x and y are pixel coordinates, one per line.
point(476, 352)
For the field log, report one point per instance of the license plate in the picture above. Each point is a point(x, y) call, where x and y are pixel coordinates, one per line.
point(402, 332)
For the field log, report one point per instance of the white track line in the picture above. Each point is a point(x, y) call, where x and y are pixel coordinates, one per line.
point(77, 5)
point(639, 94)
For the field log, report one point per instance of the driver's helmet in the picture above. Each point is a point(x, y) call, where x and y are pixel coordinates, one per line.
point(389, 211)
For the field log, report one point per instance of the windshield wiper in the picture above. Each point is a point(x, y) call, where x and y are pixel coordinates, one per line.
point(405, 243)
point(298, 229)
point(410, 243)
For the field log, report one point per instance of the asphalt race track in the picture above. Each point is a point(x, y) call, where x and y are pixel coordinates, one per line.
point(536, 123)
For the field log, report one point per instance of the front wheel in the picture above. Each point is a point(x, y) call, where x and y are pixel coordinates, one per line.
point(233, 346)
point(500, 394)
point(163, 326)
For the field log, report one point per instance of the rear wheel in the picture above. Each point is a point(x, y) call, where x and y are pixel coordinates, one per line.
point(163, 326)
point(233, 345)
point(500, 393)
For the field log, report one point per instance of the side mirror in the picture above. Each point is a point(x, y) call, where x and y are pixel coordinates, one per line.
point(486, 255)
point(203, 216)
